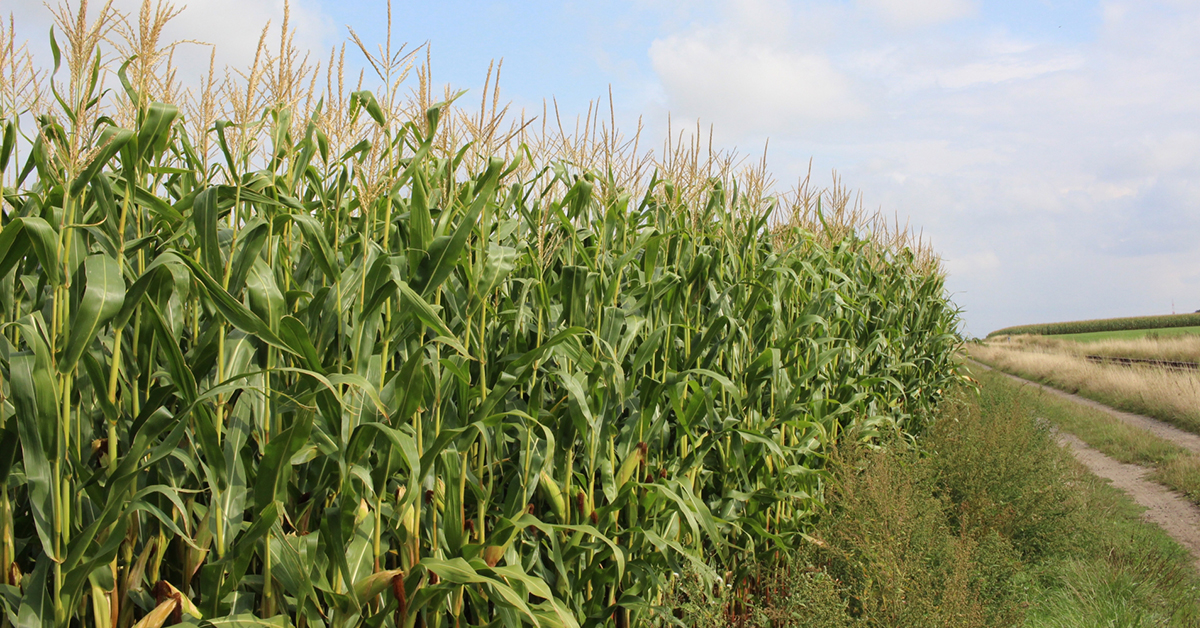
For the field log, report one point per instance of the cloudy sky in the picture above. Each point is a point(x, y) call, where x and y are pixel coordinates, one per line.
point(1049, 148)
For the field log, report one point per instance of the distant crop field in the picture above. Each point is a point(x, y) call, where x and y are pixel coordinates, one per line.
point(1169, 321)
point(1128, 334)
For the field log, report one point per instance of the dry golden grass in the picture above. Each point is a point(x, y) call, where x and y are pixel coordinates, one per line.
point(1181, 348)
point(1171, 396)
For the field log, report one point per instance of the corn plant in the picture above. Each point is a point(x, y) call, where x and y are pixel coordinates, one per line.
point(332, 364)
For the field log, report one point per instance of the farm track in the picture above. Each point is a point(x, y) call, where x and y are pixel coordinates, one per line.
point(1177, 516)
point(1161, 429)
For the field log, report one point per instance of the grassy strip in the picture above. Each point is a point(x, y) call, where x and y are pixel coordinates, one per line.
point(1125, 572)
point(1120, 570)
point(1103, 324)
point(984, 522)
point(1129, 334)
point(1169, 396)
point(1173, 466)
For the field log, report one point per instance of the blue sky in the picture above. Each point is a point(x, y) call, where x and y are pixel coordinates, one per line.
point(1049, 148)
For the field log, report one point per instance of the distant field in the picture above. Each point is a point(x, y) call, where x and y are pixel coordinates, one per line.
point(1127, 334)
point(1168, 321)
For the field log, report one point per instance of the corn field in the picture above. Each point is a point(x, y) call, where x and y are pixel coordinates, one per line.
point(309, 356)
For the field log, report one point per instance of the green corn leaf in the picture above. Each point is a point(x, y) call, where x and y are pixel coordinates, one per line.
point(459, 571)
point(102, 300)
point(293, 332)
point(501, 260)
point(251, 240)
point(219, 127)
point(27, 232)
point(78, 570)
point(445, 251)
point(234, 311)
point(265, 298)
point(420, 222)
point(33, 399)
point(271, 483)
point(205, 213)
point(246, 620)
point(37, 605)
point(112, 139)
point(10, 440)
point(406, 390)
point(8, 143)
point(291, 568)
point(426, 314)
point(240, 555)
point(365, 99)
point(314, 236)
point(518, 370)
point(155, 130)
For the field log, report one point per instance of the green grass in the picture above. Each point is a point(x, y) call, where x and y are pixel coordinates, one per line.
point(1120, 570)
point(1129, 573)
point(1173, 465)
point(1128, 334)
point(1104, 324)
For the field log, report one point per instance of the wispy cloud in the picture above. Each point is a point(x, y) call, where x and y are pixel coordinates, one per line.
point(1055, 176)
point(750, 86)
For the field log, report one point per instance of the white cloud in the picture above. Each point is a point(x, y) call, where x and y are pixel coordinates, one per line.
point(915, 13)
point(750, 87)
point(982, 261)
point(1003, 69)
point(761, 71)
point(1057, 178)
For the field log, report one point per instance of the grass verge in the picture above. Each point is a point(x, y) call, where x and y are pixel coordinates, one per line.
point(1150, 346)
point(1104, 324)
point(1173, 465)
point(984, 521)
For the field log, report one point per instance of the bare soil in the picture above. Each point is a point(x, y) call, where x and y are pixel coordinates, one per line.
point(1177, 516)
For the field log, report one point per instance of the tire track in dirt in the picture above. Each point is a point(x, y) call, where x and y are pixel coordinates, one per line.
point(1177, 516)
point(1167, 509)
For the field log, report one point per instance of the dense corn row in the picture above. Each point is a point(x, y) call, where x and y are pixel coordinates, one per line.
point(405, 383)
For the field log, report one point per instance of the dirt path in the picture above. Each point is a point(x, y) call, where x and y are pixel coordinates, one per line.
point(1165, 431)
point(1177, 516)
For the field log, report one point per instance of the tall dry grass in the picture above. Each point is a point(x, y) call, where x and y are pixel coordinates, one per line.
point(1171, 396)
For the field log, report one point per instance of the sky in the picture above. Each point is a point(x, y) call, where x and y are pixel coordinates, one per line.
point(1049, 149)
